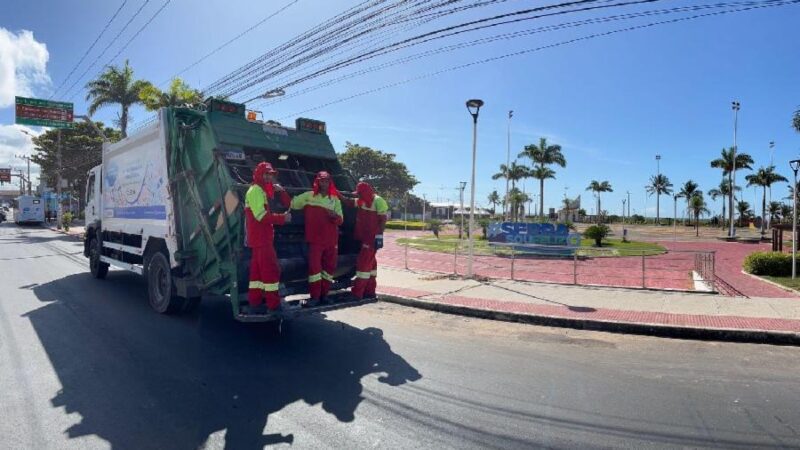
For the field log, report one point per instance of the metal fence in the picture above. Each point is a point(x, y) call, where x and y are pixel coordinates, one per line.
point(673, 270)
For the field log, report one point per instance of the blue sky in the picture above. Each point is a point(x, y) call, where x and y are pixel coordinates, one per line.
point(611, 102)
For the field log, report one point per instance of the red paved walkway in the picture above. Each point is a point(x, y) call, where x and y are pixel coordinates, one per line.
point(610, 315)
point(669, 271)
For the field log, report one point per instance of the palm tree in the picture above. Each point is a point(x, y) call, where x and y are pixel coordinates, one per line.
point(774, 209)
point(515, 198)
point(796, 121)
point(697, 206)
point(494, 200)
point(688, 190)
point(743, 208)
point(764, 177)
point(726, 163)
point(659, 184)
point(179, 94)
point(541, 174)
point(597, 187)
point(544, 155)
point(786, 212)
point(716, 193)
point(115, 86)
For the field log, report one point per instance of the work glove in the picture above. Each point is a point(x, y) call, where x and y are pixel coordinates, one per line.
point(378, 242)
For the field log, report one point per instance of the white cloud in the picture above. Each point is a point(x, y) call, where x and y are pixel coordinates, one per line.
point(14, 142)
point(23, 63)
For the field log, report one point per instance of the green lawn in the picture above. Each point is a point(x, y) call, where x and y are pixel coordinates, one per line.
point(447, 243)
point(785, 281)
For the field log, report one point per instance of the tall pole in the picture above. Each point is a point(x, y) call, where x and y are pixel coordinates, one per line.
point(769, 188)
point(629, 204)
point(461, 197)
point(735, 105)
point(424, 200)
point(472, 194)
point(508, 161)
point(58, 183)
point(794, 165)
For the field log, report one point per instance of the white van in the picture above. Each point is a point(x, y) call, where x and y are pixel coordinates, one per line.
point(28, 209)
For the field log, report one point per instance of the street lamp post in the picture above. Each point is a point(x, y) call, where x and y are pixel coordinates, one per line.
point(735, 105)
point(474, 107)
point(795, 165)
point(771, 164)
point(508, 159)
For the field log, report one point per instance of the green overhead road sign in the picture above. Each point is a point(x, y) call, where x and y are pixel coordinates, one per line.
point(43, 113)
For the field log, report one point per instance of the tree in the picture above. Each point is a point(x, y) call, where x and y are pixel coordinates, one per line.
point(390, 178)
point(179, 94)
point(786, 212)
point(541, 174)
point(598, 233)
point(659, 184)
point(516, 200)
point(796, 121)
point(774, 209)
point(542, 156)
point(597, 187)
point(494, 200)
point(722, 191)
point(743, 208)
point(688, 190)
point(726, 163)
point(697, 206)
point(513, 173)
point(115, 86)
point(81, 149)
point(764, 177)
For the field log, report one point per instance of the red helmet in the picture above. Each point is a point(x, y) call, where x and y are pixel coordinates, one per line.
point(323, 175)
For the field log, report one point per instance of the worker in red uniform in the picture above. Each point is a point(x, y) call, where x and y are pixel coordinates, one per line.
point(370, 222)
point(265, 272)
point(323, 215)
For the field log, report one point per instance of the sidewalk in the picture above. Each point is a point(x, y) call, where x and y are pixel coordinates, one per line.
point(669, 314)
point(75, 230)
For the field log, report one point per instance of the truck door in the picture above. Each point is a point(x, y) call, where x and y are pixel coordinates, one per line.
point(93, 196)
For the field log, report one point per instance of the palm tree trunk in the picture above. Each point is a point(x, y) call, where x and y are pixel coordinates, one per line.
point(658, 207)
point(724, 199)
point(697, 225)
point(541, 197)
point(763, 210)
point(123, 121)
point(598, 207)
point(730, 200)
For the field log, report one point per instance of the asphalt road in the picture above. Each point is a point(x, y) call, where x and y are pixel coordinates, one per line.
point(86, 364)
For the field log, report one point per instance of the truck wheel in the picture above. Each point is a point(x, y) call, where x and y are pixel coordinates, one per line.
point(98, 268)
point(160, 290)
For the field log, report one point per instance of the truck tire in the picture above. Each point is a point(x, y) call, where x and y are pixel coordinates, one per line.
point(160, 290)
point(98, 268)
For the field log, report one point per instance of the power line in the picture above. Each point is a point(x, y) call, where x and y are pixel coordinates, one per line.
point(506, 36)
point(114, 39)
point(232, 40)
point(113, 16)
point(761, 5)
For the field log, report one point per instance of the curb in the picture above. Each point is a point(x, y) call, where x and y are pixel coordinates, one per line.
point(647, 329)
point(777, 285)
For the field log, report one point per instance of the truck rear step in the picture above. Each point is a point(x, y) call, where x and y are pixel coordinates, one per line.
point(293, 310)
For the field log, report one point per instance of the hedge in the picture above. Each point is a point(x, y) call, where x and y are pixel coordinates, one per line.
point(402, 225)
point(774, 264)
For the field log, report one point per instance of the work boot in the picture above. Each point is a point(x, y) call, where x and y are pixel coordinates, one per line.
point(371, 296)
point(258, 310)
point(310, 303)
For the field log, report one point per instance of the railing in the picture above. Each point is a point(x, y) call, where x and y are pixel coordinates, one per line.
point(671, 270)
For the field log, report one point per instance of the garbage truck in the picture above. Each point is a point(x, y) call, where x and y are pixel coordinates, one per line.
point(167, 203)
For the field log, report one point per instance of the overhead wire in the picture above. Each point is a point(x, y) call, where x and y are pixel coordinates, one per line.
point(110, 43)
point(230, 41)
point(86, 53)
point(506, 36)
point(760, 5)
point(132, 38)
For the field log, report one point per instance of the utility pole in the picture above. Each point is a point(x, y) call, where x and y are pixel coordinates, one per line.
point(771, 164)
point(623, 211)
point(28, 160)
point(424, 200)
point(58, 183)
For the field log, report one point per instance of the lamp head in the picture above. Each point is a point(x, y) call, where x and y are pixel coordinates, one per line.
point(794, 164)
point(474, 106)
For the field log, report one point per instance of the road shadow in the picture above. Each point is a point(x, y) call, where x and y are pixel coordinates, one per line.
point(141, 380)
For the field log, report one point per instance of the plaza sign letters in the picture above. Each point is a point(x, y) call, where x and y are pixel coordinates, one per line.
point(533, 235)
